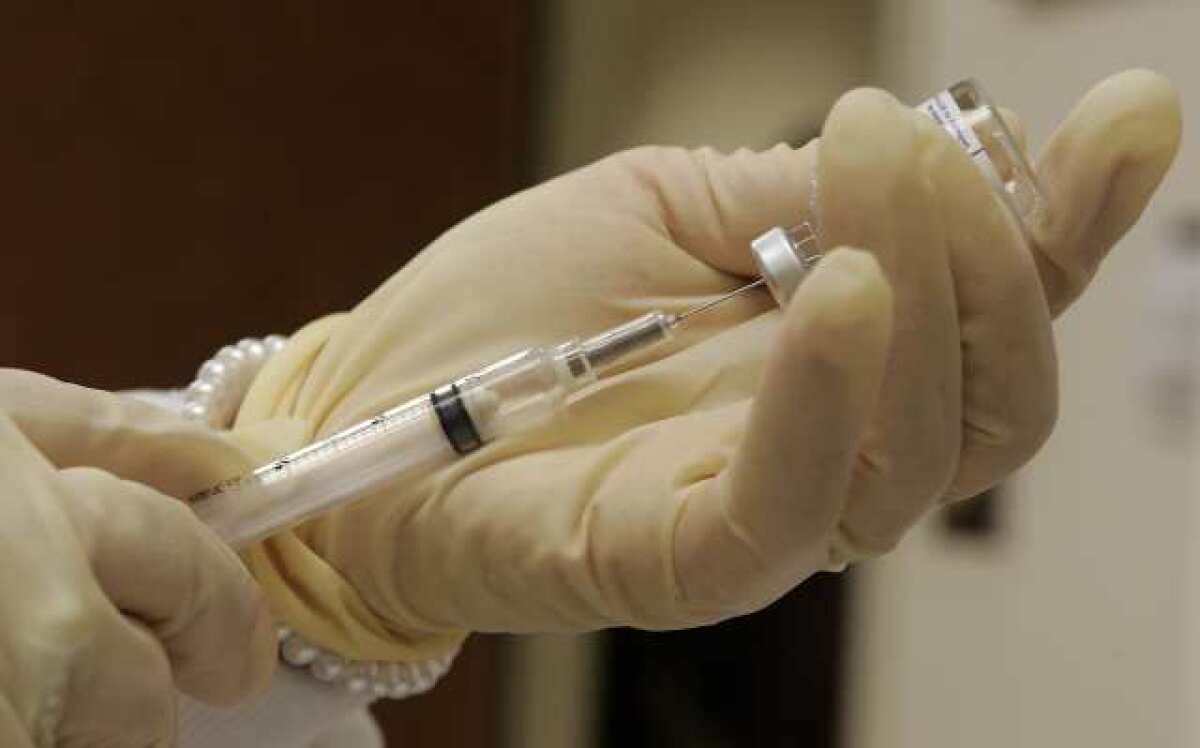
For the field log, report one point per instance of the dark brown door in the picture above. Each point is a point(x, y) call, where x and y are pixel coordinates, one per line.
point(174, 176)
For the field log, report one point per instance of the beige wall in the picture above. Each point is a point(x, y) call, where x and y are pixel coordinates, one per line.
point(723, 73)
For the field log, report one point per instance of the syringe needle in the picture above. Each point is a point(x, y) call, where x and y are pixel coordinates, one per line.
point(721, 300)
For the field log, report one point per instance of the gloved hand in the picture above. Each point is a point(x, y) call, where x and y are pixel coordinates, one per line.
point(971, 391)
point(766, 444)
point(110, 590)
point(763, 448)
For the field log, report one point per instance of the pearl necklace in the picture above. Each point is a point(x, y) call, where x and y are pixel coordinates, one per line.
point(213, 398)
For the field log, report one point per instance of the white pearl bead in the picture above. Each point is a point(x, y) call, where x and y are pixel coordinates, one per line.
point(377, 674)
point(253, 349)
point(282, 632)
point(200, 400)
point(231, 356)
point(213, 372)
point(412, 676)
point(200, 406)
point(380, 688)
point(195, 412)
point(327, 667)
point(399, 683)
point(275, 343)
point(200, 389)
point(423, 672)
point(296, 652)
point(357, 684)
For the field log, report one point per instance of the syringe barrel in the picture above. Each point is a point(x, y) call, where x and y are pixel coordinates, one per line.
point(400, 446)
point(524, 391)
point(528, 389)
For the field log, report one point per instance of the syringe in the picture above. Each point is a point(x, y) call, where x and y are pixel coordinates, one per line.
point(529, 389)
point(524, 391)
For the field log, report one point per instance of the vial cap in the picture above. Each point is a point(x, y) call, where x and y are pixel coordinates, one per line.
point(784, 257)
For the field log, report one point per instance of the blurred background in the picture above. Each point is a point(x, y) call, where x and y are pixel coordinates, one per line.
point(174, 176)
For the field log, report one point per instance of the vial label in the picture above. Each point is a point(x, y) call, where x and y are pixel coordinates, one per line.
point(944, 110)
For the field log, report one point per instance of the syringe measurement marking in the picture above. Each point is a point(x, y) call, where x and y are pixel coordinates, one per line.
point(304, 459)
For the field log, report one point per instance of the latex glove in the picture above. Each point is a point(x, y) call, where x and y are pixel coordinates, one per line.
point(109, 590)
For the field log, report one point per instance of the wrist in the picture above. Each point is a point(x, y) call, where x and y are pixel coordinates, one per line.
point(354, 650)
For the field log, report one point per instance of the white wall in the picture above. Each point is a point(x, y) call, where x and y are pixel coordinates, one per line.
point(1078, 628)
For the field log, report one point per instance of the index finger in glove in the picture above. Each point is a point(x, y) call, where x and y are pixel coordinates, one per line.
point(761, 526)
point(713, 204)
point(876, 193)
point(1009, 376)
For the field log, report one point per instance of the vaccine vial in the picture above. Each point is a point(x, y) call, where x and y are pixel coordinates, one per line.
point(968, 116)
